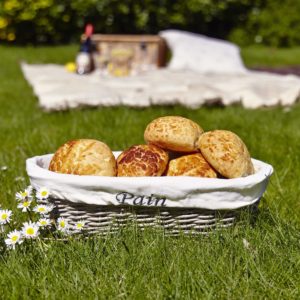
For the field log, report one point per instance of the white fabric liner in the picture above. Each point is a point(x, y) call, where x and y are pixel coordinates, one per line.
point(57, 89)
point(181, 191)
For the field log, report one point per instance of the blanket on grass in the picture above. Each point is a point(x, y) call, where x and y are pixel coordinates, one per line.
point(58, 89)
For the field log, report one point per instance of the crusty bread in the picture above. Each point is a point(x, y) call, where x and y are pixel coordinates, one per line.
point(84, 157)
point(226, 153)
point(190, 165)
point(173, 133)
point(142, 160)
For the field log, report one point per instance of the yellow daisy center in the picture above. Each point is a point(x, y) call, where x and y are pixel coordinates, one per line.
point(62, 224)
point(24, 194)
point(44, 193)
point(42, 209)
point(43, 222)
point(30, 231)
point(26, 203)
point(14, 238)
point(4, 216)
point(79, 225)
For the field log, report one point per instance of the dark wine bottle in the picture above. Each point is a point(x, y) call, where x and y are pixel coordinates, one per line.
point(84, 58)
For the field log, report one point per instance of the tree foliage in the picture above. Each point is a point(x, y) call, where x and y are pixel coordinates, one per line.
point(244, 21)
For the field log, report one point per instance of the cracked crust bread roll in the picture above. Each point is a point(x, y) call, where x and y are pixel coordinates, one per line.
point(226, 153)
point(142, 160)
point(173, 133)
point(84, 157)
point(191, 165)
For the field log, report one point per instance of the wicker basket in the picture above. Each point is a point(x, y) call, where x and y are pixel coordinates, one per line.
point(72, 196)
point(103, 219)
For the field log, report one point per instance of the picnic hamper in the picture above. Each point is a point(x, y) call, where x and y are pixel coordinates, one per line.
point(174, 204)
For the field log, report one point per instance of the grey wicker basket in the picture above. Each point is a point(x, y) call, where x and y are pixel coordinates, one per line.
point(104, 219)
point(174, 204)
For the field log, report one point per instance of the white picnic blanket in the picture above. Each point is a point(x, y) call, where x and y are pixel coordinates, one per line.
point(58, 89)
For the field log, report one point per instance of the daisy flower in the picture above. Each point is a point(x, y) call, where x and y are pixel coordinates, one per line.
point(29, 191)
point(44, 222)
point(23, 195)
point(25, 205)
point(79, 225)
point(43, 209)
point(13, 238)
point(5, 215)
point(50, 207)
point(3, 168)
point(62, 224)
point(42, 193)
point(30, 230)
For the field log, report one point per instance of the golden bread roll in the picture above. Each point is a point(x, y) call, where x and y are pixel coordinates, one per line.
point(84, 157)
point(142, 160)
point(191, 165)
point(173, 133)
point(226, 153)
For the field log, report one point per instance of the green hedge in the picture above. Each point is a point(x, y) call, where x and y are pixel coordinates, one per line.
point(272, 22)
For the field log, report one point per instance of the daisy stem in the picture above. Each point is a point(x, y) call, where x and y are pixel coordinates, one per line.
point(52, 233)
point(29, 215)
point(10, 227)
point(40, 244)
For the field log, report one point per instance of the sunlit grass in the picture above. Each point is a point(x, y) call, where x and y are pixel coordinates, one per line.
point(134, 264)
point(258, 56)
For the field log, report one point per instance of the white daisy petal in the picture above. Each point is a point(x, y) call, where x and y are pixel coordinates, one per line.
point(30, 230)
point(50, 207)
point(62, 225)
point(43, 209)
point(5, 215)
point(22, 195)
point(44, 222)
point(25, 205)
point(79, 225)
point(42, 193)
point(29, 190)
point(13, 238)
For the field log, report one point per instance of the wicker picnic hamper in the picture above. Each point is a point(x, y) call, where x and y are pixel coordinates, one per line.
point(175, 204)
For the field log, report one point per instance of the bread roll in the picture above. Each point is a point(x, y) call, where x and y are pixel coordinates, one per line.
point(226, 153)
point(142, 160)
point(173, 133)
point(84, 157)
point(191, 165)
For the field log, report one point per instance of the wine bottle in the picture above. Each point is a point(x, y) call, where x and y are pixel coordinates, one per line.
point(84, 59)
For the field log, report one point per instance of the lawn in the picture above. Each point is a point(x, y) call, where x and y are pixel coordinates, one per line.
point(135, 265)
point(258, 56)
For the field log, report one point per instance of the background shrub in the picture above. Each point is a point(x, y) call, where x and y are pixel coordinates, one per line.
point(271, 22)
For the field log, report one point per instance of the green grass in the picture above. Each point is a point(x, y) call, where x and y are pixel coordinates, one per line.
point(258, 56)
point(136, 265)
